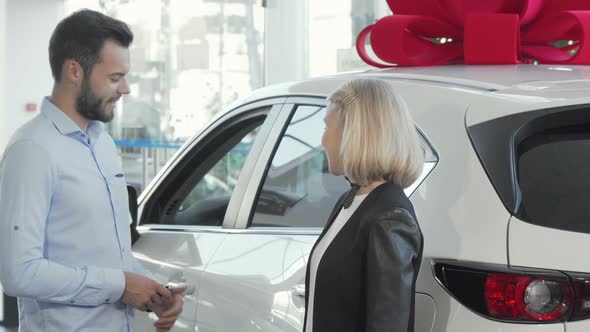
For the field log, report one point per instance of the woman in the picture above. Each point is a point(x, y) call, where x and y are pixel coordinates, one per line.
point(362, 271)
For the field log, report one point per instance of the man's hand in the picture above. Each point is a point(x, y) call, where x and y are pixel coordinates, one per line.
point(143, 293)
point(168, 311)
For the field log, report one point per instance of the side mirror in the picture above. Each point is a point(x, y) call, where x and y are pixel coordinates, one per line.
point(132, 195)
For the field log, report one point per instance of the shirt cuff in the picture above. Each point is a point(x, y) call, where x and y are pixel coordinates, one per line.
point(115, 285)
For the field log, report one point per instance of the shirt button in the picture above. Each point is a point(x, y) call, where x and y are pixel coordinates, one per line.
point(107, 300)
point(16, 228)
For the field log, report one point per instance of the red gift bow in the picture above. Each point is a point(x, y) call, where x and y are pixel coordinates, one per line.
point(483, 32)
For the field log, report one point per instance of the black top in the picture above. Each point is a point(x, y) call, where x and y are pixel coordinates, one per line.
point(366, 278)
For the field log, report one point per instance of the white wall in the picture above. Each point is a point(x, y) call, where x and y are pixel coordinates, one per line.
point(26, 77)
point(3, 126)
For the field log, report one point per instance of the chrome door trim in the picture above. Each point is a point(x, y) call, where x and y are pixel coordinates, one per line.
point(259, 168)
point(155, 228)
point(428, 168)
point(307, 101)
point(249, 169)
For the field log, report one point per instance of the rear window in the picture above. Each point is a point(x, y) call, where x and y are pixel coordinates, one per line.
point(538, 163)
point(554, 179)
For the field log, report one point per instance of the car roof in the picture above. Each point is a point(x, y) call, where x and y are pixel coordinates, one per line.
point(485, 78)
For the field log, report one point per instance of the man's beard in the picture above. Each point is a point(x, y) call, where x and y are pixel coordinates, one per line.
point(90, 106)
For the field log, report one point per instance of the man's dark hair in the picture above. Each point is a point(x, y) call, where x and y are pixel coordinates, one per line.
point(81, 37)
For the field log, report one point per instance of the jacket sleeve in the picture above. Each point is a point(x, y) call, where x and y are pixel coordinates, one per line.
point(394, 242)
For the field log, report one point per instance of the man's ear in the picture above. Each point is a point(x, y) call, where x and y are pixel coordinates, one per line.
point(72, 72)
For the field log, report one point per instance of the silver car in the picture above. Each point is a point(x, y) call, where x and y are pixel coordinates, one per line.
point(236, 211)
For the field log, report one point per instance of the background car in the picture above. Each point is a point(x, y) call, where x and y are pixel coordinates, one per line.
point(502, 203)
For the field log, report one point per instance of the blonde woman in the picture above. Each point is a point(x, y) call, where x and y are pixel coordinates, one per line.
point(362, 271)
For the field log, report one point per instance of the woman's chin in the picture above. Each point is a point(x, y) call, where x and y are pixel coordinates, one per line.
point(336, 172)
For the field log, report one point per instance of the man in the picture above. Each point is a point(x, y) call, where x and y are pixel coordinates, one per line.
point(64, 220)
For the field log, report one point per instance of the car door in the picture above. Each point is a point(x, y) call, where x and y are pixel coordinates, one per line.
point(256, 279)
point(190, 207)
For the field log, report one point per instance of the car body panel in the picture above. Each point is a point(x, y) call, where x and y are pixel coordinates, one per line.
point(177, 258)
point(547, 248)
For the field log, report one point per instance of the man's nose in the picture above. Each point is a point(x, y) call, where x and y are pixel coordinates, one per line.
point(123, 87)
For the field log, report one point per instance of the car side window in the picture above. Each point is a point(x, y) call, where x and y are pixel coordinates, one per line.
point(298, 191)
point(221, 180)
point(207, 201)
point(199, 189)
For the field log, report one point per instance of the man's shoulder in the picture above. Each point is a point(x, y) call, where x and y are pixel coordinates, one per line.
point(39, 127)
point(38, 131)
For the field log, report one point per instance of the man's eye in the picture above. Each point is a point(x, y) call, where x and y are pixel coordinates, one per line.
point(115, 80)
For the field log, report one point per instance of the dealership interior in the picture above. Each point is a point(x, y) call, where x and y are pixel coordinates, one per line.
point(190, 60)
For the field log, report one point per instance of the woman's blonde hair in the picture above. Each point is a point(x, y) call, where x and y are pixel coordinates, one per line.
point(379, 139)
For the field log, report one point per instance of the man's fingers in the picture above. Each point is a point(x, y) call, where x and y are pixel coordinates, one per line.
point(178, 290)
point(163, 291)
point(164, 328)
point(156, 299)
point(147, 305)
point(165, 322)
point(175, 309)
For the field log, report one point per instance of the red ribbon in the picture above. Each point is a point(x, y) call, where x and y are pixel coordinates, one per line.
point(483, 32)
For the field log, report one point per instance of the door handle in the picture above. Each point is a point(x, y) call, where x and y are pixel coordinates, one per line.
point(189, 288)
point(299, 290)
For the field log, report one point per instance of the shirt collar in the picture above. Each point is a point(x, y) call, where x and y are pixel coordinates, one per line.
point(65, 124)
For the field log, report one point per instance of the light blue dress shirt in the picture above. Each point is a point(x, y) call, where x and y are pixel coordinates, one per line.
point(64, 226)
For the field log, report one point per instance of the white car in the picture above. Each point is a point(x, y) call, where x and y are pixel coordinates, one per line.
point(503, 202)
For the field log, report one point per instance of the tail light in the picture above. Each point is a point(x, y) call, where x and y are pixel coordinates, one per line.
point(525, 295)
point(581, 306)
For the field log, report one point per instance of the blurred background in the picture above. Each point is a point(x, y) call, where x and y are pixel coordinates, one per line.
point(190, 60)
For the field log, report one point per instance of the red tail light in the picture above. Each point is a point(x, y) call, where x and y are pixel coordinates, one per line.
point(506, 294)
point(527, 298)
point(581, 297)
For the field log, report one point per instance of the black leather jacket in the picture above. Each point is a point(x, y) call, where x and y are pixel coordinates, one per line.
point(366, 278)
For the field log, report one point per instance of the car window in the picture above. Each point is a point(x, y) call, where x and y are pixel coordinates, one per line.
point(197, 191)
point(207, 201)
point(221, 180)
point(298, 191)
point(554, 180)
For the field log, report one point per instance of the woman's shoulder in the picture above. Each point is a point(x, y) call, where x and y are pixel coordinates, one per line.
point(388, 205)
point(395, 224)
point(387, 198)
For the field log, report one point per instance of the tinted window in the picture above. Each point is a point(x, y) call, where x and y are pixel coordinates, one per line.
point(554, 180)
point(298, 191)
point(198, 190)
point(209, 198)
